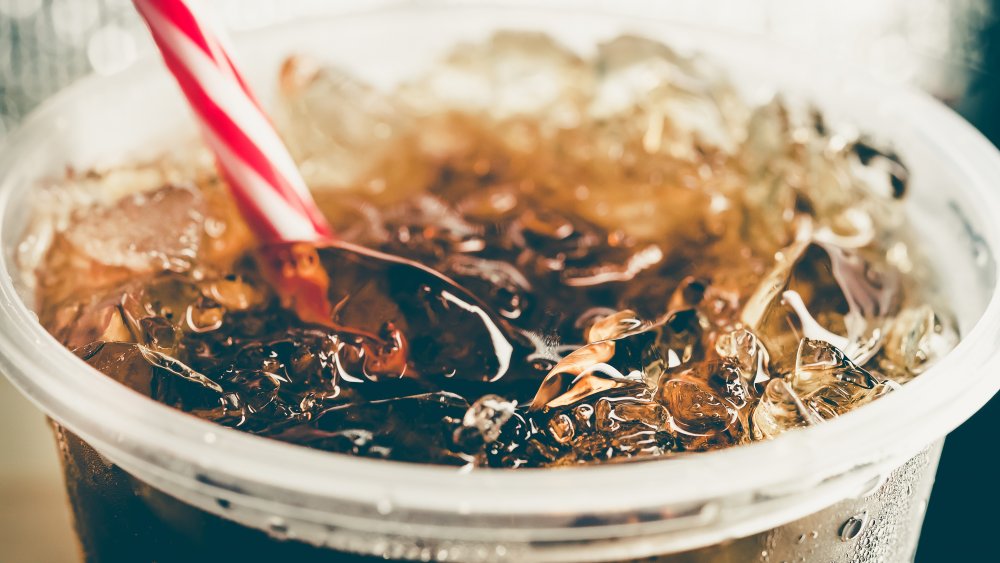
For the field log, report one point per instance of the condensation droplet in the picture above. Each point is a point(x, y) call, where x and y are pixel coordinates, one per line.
point(384, 506)
point(278, 527)
point(853, 526)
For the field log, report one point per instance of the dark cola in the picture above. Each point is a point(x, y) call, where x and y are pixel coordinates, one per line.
point(600, 281)
point(621, 260)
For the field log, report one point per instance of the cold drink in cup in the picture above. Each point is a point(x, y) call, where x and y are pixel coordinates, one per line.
point(648, 269)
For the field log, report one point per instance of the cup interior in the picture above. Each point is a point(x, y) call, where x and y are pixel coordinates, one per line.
point(137, 114)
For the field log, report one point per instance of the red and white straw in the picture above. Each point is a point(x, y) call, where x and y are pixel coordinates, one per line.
point(262, 176)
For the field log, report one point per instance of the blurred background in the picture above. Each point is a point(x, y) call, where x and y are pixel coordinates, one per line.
point(950, 48)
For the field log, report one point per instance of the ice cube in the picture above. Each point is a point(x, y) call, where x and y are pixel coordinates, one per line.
point(226, 236)
point(336, 127)
point(824, 385)
point(579, 375)
point(615, 326)
point(134, 312)
point(159, 334)
point(743, 349)
point(681, 336)
point(618, 424)
point(515, 73)
point(121, 360)
point(258, 390)
point(706, 403)
point(820, 291)
point(679, 100)
point(818, 363)
point(830, 383)
point(484, 420)
point(915, 338)
point(780, 409)
point(235, 293)
point(143, 232)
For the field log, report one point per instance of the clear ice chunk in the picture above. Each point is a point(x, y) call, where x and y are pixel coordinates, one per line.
point(143, 232)
point(824, 384)
point(780, 409)
point(676, 100)
point(513, 74)
point(707, 403)
point(486, 418)
point(823, 292)
point(336, 127)
point(915, 338)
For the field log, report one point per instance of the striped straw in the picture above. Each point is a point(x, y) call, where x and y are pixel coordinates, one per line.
point(262, 176)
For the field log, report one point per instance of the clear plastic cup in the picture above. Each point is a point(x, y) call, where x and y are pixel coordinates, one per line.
point(152, 483)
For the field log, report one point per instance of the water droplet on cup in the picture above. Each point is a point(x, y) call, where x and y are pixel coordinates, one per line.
point(278, 527)
point(853, 526)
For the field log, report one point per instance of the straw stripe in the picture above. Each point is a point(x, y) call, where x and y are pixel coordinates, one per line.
point(262, 175)
point(187, 18)
point(263, 196)
point(244, 140)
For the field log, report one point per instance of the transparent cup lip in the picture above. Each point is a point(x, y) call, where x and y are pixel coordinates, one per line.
point(177, 446)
